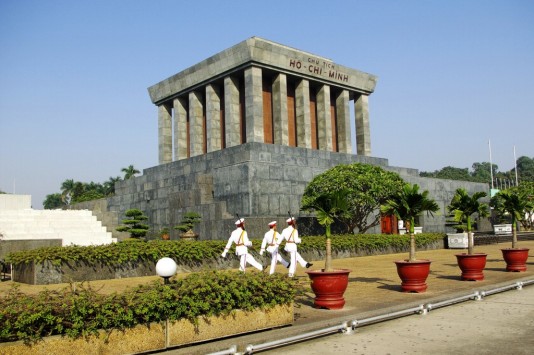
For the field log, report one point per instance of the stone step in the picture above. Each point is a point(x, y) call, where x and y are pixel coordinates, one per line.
point(78, 227)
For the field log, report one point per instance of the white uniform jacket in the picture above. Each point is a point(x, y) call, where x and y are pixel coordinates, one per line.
point(271, 240)
point(291, 236)
point(240, 238)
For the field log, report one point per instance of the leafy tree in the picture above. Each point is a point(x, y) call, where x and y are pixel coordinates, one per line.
point(367, 187)
point(525, 168)
point(526, 192)
point(109, 186)
point(407, 205)
point(450, 173)
point(53, 201)
point(134, 223)
point(89, 196)
point(464, 206)
point(327, 209)
point(482, 173)
point(129, 172)
point(510, 202)
point(67, 188)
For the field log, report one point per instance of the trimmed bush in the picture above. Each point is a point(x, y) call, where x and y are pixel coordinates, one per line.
point(79, 310)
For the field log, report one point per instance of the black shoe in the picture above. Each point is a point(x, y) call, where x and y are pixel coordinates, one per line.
point(308, 265)
point(288, 265)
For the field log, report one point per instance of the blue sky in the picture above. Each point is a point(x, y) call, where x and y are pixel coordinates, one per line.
point(452, 75)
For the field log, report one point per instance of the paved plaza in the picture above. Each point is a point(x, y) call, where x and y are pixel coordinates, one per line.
point(374, 289)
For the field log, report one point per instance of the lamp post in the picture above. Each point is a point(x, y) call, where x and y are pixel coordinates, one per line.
point(166, 267)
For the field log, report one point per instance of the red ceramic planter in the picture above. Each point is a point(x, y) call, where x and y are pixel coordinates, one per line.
point(329, 287)
point(472, 266)
point(516, 259)
point(413, 274)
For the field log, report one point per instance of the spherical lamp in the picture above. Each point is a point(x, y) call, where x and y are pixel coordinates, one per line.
point(166, 267)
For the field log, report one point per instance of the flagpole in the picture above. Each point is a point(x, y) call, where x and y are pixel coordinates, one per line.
point(491, 164)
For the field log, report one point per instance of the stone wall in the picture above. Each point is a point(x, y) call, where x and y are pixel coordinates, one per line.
point(260, 182)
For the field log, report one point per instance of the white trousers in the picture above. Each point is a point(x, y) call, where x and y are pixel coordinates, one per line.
point(295, 258)
point(247, 258)
point(276, 257)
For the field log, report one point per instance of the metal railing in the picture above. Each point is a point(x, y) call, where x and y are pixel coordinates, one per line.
point(349, 326)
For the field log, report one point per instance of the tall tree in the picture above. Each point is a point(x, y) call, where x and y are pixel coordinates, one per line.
point(67, 188)
point(53, 201)
point(525, 168)
point(483, 173)
point(109, 186)
point(450, 173)
point(366, 186)
point(129, 172)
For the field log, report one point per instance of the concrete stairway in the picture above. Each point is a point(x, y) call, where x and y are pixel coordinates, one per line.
point(73, 227)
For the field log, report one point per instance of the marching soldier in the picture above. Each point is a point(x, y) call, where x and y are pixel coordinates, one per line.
point(272, 240)
point(240, 238)
point(291, 236)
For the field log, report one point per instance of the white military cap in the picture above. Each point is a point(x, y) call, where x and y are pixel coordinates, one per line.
point(273, 223)
point(239, 221)
point(289, 220)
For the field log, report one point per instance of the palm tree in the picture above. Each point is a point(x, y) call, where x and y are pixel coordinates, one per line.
point(408, 204)
point(329, 207)
point(67, 188)
point(463, 207)
point(109, 186)
point(509, 202)
point(129, 172)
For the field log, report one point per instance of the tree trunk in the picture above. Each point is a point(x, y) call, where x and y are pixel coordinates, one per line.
point(470, 243)
point(328, 261)
point(412, 240)
point(412, 246)
point(514, 234)
point(470, 238)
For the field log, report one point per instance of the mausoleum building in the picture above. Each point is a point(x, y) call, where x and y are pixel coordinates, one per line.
point(245, 130)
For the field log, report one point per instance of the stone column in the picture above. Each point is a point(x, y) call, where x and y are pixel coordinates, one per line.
point(165, 133)
point(213, 118)
point(363, 133)
point(324, 120)
point(180, 128)
point(254, 105)
point(231, 112)
point(302, 108)
point(196, 124)
point(280, 110)
point(344, 143)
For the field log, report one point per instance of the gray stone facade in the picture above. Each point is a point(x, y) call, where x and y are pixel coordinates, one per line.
point(261, 182)
point(244, 131)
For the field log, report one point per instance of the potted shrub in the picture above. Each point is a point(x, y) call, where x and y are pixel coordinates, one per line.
point(463, 206)
point(189, 220)
point(511, 203)
point(328, 284)
point(164, 233)
point(407, 205)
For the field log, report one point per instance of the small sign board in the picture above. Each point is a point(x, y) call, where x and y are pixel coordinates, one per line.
point(502, 228)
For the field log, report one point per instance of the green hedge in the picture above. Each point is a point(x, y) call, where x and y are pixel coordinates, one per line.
point(197, 251)
point(79, 310)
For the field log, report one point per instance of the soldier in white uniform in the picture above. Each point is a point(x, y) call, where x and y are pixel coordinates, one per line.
point(272, 240)
point(291, 236)
point(240, 238)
